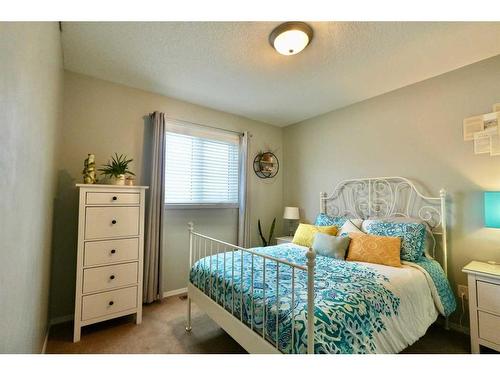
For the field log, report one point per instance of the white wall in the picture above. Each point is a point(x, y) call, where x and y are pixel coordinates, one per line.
point(415, 132)
point(31, 83)
point(101, 117)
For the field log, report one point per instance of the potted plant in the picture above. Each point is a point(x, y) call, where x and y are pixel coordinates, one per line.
point(117, 168)
point(266, 242)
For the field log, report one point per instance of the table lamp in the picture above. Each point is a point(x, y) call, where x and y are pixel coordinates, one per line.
point(492, 212)
point(492, 209)
point(291, 214)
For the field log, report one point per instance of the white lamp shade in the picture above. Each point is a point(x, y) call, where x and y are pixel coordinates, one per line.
point(291, 42)
point(291, 213)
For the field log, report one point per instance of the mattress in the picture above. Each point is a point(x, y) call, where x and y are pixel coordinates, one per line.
point(359, 307)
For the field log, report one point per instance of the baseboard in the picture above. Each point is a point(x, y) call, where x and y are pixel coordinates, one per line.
point(44, 347)
point(459, 328)
point(61, 319)
point(176, 292)
point(453, 326)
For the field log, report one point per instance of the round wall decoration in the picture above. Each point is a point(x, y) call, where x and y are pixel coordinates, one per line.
point(266, 165)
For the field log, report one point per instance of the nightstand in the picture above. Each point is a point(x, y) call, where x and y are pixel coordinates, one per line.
point(284, 239)
point(484, 304)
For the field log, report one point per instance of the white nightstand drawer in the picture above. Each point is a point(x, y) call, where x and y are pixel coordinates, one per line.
point(106, 222)
point(111, 251)
point(484, 305)
point(489, 327)
point(112, 198)
point(103, 278)
point(488, 297)
point(97, 305)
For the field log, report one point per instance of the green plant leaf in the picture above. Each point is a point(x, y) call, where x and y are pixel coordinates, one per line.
point(271, 231)
point(116, 166)
point(264, 242)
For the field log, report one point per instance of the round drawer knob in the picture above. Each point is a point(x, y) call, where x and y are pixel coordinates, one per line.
point(115, 198)
point(113, 251)
point(112, 277)
point(111, 303)
point(113, 221)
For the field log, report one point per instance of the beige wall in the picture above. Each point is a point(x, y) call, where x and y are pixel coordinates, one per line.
point(101, 117)
point(31, 83)
point(414, 132)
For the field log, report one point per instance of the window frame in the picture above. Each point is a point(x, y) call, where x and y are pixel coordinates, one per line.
point(201, 131)
point(195, 206)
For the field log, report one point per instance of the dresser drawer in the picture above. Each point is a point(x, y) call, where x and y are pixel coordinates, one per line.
point(488, 297)
point(112, 198)
point(102, 278)
point(102, 252)
point(106, 222)
point(98, 305)
point(489, 327)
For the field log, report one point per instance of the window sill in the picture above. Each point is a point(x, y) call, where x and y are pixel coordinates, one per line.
point(196, 206)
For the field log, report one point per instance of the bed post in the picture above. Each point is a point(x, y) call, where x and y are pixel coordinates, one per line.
point(311, 261)
point(442, 194)
point(188, 318)
point(322, 202)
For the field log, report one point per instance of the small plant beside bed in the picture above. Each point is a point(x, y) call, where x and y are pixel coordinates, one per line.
point(266, 242)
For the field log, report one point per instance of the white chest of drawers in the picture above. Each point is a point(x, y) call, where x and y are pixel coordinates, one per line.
point(484, 304)
point(110, 254)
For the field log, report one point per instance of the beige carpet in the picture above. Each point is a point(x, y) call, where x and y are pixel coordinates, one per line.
point(162, 331)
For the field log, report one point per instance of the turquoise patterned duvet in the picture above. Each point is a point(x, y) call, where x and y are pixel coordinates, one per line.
point(359, 307)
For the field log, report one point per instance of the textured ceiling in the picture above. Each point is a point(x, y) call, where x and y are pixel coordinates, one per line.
point(230, 66)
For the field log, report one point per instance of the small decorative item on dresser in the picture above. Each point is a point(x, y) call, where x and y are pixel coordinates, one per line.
point(291, 214)
point(484, 304)
point(117, 168)
point(129, 181)
point(89, 172)
point(266, 165)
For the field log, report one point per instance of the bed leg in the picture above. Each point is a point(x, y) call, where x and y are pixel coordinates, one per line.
point(311, 262)
point(188, 321)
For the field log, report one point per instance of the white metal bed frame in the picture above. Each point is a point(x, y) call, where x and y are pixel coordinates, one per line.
point(378, 197)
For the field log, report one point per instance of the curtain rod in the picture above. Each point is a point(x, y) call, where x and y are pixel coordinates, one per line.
point(207, 126)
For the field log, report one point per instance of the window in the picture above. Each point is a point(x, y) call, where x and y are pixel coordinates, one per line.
point(202, 167)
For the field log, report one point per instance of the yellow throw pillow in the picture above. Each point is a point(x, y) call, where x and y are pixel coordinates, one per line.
point(304, 235)
point(375, 249)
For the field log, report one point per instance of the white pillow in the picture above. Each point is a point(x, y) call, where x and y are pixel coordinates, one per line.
point(351, 226)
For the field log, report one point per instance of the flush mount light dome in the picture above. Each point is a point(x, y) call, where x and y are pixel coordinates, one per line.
point(290, 38)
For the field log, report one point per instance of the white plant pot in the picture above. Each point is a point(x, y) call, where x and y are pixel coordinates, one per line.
point(119, 180)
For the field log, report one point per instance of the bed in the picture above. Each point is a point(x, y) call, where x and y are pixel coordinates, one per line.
point(285, 299)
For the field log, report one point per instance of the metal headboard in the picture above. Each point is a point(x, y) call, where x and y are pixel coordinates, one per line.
point(380, 197)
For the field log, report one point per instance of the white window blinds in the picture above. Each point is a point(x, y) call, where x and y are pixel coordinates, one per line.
point(202, 166)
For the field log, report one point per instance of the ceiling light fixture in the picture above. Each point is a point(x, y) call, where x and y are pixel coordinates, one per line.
point(290, 38)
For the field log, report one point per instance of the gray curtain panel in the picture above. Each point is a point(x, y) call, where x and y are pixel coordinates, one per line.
point(155, 216)
point(244, 204)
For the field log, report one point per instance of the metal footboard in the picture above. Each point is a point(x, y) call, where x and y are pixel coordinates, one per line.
point(203, 247)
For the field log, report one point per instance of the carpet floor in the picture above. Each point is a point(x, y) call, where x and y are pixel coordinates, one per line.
point(162, 331)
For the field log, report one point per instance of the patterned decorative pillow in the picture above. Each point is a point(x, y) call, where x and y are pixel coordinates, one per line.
point(323, 220)
point(429, 238)
point(374, 249)
point(412, 236)
point(304, 235)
